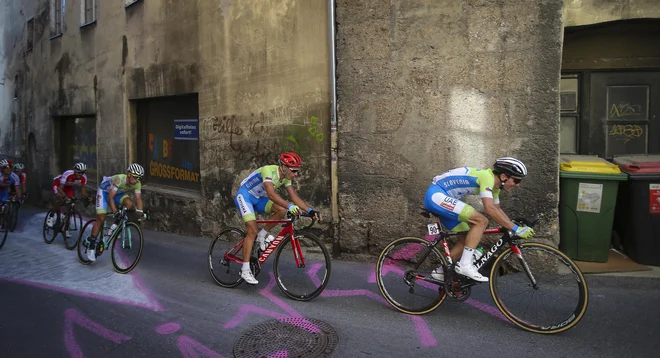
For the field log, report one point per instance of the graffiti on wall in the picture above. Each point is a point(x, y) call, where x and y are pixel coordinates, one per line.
point(254, 139)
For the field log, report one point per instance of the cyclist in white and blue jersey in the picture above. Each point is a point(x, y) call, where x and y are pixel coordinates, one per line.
point(257, 195)
point(443, 198)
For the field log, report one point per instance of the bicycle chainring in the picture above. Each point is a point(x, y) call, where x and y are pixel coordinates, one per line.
point(456, 289)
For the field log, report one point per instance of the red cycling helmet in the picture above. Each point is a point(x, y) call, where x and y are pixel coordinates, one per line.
point(290, 159)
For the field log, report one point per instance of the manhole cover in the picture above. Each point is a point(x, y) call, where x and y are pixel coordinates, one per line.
point(287, 337)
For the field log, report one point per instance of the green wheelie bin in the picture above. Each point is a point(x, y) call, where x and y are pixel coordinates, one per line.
point(588, 192)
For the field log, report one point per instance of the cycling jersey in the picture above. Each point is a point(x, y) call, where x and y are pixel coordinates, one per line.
point(444, 195)
point(460, 182)
point(22, 176)
point(68, 179)
point(252, 197)
point(119, 183)
point(6, 182)
point(254, 183)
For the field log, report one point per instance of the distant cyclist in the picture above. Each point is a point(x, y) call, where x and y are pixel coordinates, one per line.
point(443, 198)
point(113, 192)
point(257, 195)
point(18, 169)
point(8, 179)
point(63, 188)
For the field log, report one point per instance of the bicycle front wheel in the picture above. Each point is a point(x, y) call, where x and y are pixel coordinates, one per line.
point(50, 231)
point(402, 267)
point(14, 216)
point(71, 229)
point(226, 272)
point(302, 266)
point(127, 247)
point(541, 290)
point(83, 241)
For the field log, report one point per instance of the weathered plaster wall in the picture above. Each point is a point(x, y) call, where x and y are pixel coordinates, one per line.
point(260, 69)
point(426, 86)
point(585, 12)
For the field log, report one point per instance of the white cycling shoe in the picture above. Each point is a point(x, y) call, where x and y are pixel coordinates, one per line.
point(470, 271)
point(248, 277)
point(264, 241)
point(438, 273)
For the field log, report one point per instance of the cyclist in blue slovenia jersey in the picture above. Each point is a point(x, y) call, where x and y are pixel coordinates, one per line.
point(443, 198)
point(257, 195)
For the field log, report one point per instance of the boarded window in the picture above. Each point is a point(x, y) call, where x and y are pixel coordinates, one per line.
point(168, 141)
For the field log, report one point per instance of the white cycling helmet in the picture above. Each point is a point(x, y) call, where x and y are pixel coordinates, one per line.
point(136, 169)
point(510, 166)
point(80, 167)
point(4, 163)
point(19, 166)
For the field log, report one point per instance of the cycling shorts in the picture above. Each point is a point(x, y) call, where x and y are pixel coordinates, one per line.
point(68, 190)
point(248, 205)
point(102, 200)
point(453, 213)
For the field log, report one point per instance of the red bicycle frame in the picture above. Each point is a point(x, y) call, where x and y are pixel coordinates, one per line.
point(287, 231)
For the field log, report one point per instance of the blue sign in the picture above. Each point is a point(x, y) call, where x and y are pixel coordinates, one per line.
point(186, 129)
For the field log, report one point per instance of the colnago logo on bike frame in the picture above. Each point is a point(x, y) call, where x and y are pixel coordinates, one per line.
point(270, 248)
point(490, 253)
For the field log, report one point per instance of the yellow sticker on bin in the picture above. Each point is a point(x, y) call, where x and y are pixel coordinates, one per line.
point(587, 164)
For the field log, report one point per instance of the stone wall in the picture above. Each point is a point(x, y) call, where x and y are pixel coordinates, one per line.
point(260, 70)
point(425, 86)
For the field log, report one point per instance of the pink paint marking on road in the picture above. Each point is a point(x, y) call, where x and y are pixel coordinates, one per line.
point(423, 332)
point(137, 280)
point(168, 328)
point(73, 317)
point(486, 308)
point(305, 324)
point(190, 348)
point(280, 354)
point(152, 306)
point(247, 309)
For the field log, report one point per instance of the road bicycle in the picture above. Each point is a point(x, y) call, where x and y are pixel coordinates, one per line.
point(4, 221)
point(69, 225)
point(535, 286)
point(126, 239)
point(301, 266)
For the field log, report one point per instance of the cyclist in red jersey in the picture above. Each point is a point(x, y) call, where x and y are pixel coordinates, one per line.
point(63, 188)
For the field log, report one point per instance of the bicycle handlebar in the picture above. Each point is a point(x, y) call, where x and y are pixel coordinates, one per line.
point(294, 217)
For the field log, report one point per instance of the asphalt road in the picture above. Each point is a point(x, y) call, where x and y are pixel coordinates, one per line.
point(52, 306)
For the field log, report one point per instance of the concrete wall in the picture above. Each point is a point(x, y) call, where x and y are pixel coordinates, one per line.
point(426, 86)
point(260, 69)
point(586, 12)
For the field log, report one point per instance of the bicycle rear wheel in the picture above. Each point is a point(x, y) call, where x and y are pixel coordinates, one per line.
point(4, 229)
point(127, 248)
point(541, 291)
point(226, 273)
point(71, 227)
point(302, 283)
point(50, 232)
point(400, 271)
point(83, 241)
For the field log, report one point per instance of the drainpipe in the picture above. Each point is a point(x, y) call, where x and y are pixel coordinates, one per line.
point(334, 178)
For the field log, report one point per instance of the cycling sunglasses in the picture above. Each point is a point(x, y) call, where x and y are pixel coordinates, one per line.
point(294, 170)
point(517, 180)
